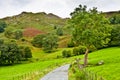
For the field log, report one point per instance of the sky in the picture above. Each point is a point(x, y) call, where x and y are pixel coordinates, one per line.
point(61, 8)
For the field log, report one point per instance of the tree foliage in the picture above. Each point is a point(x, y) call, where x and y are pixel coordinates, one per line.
point(59, 32)
point(115, 36)
point(13, 34)
point(90, 28)
point(115, 19)
point(50, 42)
point(38, 40)
point(2, 26)
point(11, 53)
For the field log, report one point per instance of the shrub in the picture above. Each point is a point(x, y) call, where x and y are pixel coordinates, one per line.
point(76, 51)
point(79, 50)
point(66, 53)
point(71, 44)
point(38, 40)
point(2, 26)
point(59, 31)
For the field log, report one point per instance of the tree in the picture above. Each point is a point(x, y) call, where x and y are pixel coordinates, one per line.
point(1, 42)
point(115, 19)
point(18, 34)
point(28, 53)
point(50, 42)
point(9, 53)
point(38, 40)
point(2, 26)
point(9, 33)
point(59, 31)
point(90, 29)
point(115, 36)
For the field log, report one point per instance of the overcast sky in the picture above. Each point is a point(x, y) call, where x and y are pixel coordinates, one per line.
point(61, 8)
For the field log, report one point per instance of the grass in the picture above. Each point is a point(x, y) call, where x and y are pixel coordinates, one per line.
point(110, 70)
point(10, 72)
point(37, 53)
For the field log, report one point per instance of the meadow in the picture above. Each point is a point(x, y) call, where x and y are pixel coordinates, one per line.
point(110, 70)
point(17, 72)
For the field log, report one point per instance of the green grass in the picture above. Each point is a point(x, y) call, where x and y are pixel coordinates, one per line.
point(38, 53)
point(10, 72)
point(110, 70)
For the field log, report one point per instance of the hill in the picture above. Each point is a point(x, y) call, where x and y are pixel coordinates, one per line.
point(111, 13)
point(43, 21)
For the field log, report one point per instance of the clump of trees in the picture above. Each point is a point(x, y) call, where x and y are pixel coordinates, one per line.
point(48, 42)
point(11, 53)
point(90, 29)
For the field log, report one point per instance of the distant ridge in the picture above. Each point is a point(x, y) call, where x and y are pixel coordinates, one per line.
point(111, 13)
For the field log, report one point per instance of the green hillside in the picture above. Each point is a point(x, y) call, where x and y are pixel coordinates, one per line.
point(109, 70)
point(40, 20)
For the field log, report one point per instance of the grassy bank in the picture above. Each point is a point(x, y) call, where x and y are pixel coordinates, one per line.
point(109, 70)
point(10, 72)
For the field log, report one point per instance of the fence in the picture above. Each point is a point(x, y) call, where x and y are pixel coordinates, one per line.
point(36, 74)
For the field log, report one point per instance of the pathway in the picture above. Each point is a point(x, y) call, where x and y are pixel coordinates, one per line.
point(60, 73)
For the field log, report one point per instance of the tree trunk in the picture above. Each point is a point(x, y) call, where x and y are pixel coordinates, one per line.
point(86, 57)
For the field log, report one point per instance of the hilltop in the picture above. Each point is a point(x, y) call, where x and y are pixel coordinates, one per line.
point(111, 13)
point(41, 20)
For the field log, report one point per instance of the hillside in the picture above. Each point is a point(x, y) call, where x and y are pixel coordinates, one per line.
point(42, 21)
point(111, 13)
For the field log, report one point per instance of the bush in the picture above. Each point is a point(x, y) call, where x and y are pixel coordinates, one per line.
point(79, 50)
point(59, 31)
point(71, 44)
point(66, 53)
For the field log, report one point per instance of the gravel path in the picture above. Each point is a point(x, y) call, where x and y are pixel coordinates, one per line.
point(60, 73)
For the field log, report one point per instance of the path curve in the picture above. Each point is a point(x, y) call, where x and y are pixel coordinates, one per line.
point(60, 73)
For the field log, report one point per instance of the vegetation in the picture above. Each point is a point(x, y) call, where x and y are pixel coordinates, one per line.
point(3, 25)
point(19, 71)
point(36, 43)
point(10, 53)
point(50, 42)
point(109, 66)
point(90, 29)
point(66, 53)
point(59, 32)
point(38, 40)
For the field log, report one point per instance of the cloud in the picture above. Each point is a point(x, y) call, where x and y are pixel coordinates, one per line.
point(58, 7)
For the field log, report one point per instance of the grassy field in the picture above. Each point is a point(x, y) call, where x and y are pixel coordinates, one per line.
point(110, 70)
point(40, 54)
point(10, 72)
